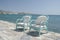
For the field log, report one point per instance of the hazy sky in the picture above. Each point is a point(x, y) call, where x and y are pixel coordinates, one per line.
point(34, 6)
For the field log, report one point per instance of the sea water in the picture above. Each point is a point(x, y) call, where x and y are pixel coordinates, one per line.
point(53, 22)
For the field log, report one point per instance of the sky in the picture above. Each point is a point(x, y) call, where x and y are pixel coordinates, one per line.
point(33, 6)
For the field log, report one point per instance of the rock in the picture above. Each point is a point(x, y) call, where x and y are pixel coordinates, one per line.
point(7, 34)
point(25, 37)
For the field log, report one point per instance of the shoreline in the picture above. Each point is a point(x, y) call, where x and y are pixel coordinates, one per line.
point(7, 24)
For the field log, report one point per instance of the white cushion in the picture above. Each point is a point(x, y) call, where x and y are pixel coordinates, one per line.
point(34, 25)
point(20, 23)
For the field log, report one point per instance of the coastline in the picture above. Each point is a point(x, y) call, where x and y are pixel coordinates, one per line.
point(7, 24)
point(8, 34)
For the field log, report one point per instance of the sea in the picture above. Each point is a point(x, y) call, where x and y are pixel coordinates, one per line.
point(53, 22)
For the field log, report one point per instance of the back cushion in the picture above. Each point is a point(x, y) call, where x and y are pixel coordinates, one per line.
point(41, 19)
point(27, 19)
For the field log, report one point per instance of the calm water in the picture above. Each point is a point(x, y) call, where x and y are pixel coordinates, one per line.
point(53, 23)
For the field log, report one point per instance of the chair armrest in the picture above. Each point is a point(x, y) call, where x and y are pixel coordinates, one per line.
point(32, 21)
point(18, 20)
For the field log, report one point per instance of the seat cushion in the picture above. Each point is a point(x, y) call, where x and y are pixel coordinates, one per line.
point(20, 23)
point(35, 27)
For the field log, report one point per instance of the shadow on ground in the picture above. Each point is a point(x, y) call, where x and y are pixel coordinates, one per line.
point(19, 30)
point(34, 33)
point(31, 33)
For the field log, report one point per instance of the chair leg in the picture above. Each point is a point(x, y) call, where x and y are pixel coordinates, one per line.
point(16, 27)
point(29, 29)
point(47, 30)
point(24, 29)
point(39, 33)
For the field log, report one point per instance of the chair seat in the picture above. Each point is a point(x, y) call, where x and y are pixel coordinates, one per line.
point(38, 27)
point(21, 23)
point(43, 27)
point(35, 27)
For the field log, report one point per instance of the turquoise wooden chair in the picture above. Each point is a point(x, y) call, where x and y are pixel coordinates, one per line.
point(39, 24)
point(23, 22)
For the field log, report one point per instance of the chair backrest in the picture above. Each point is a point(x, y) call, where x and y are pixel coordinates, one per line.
point(41, 19)
point(26, 19)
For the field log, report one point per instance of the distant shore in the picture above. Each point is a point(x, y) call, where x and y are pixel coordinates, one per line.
point(11, 12)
